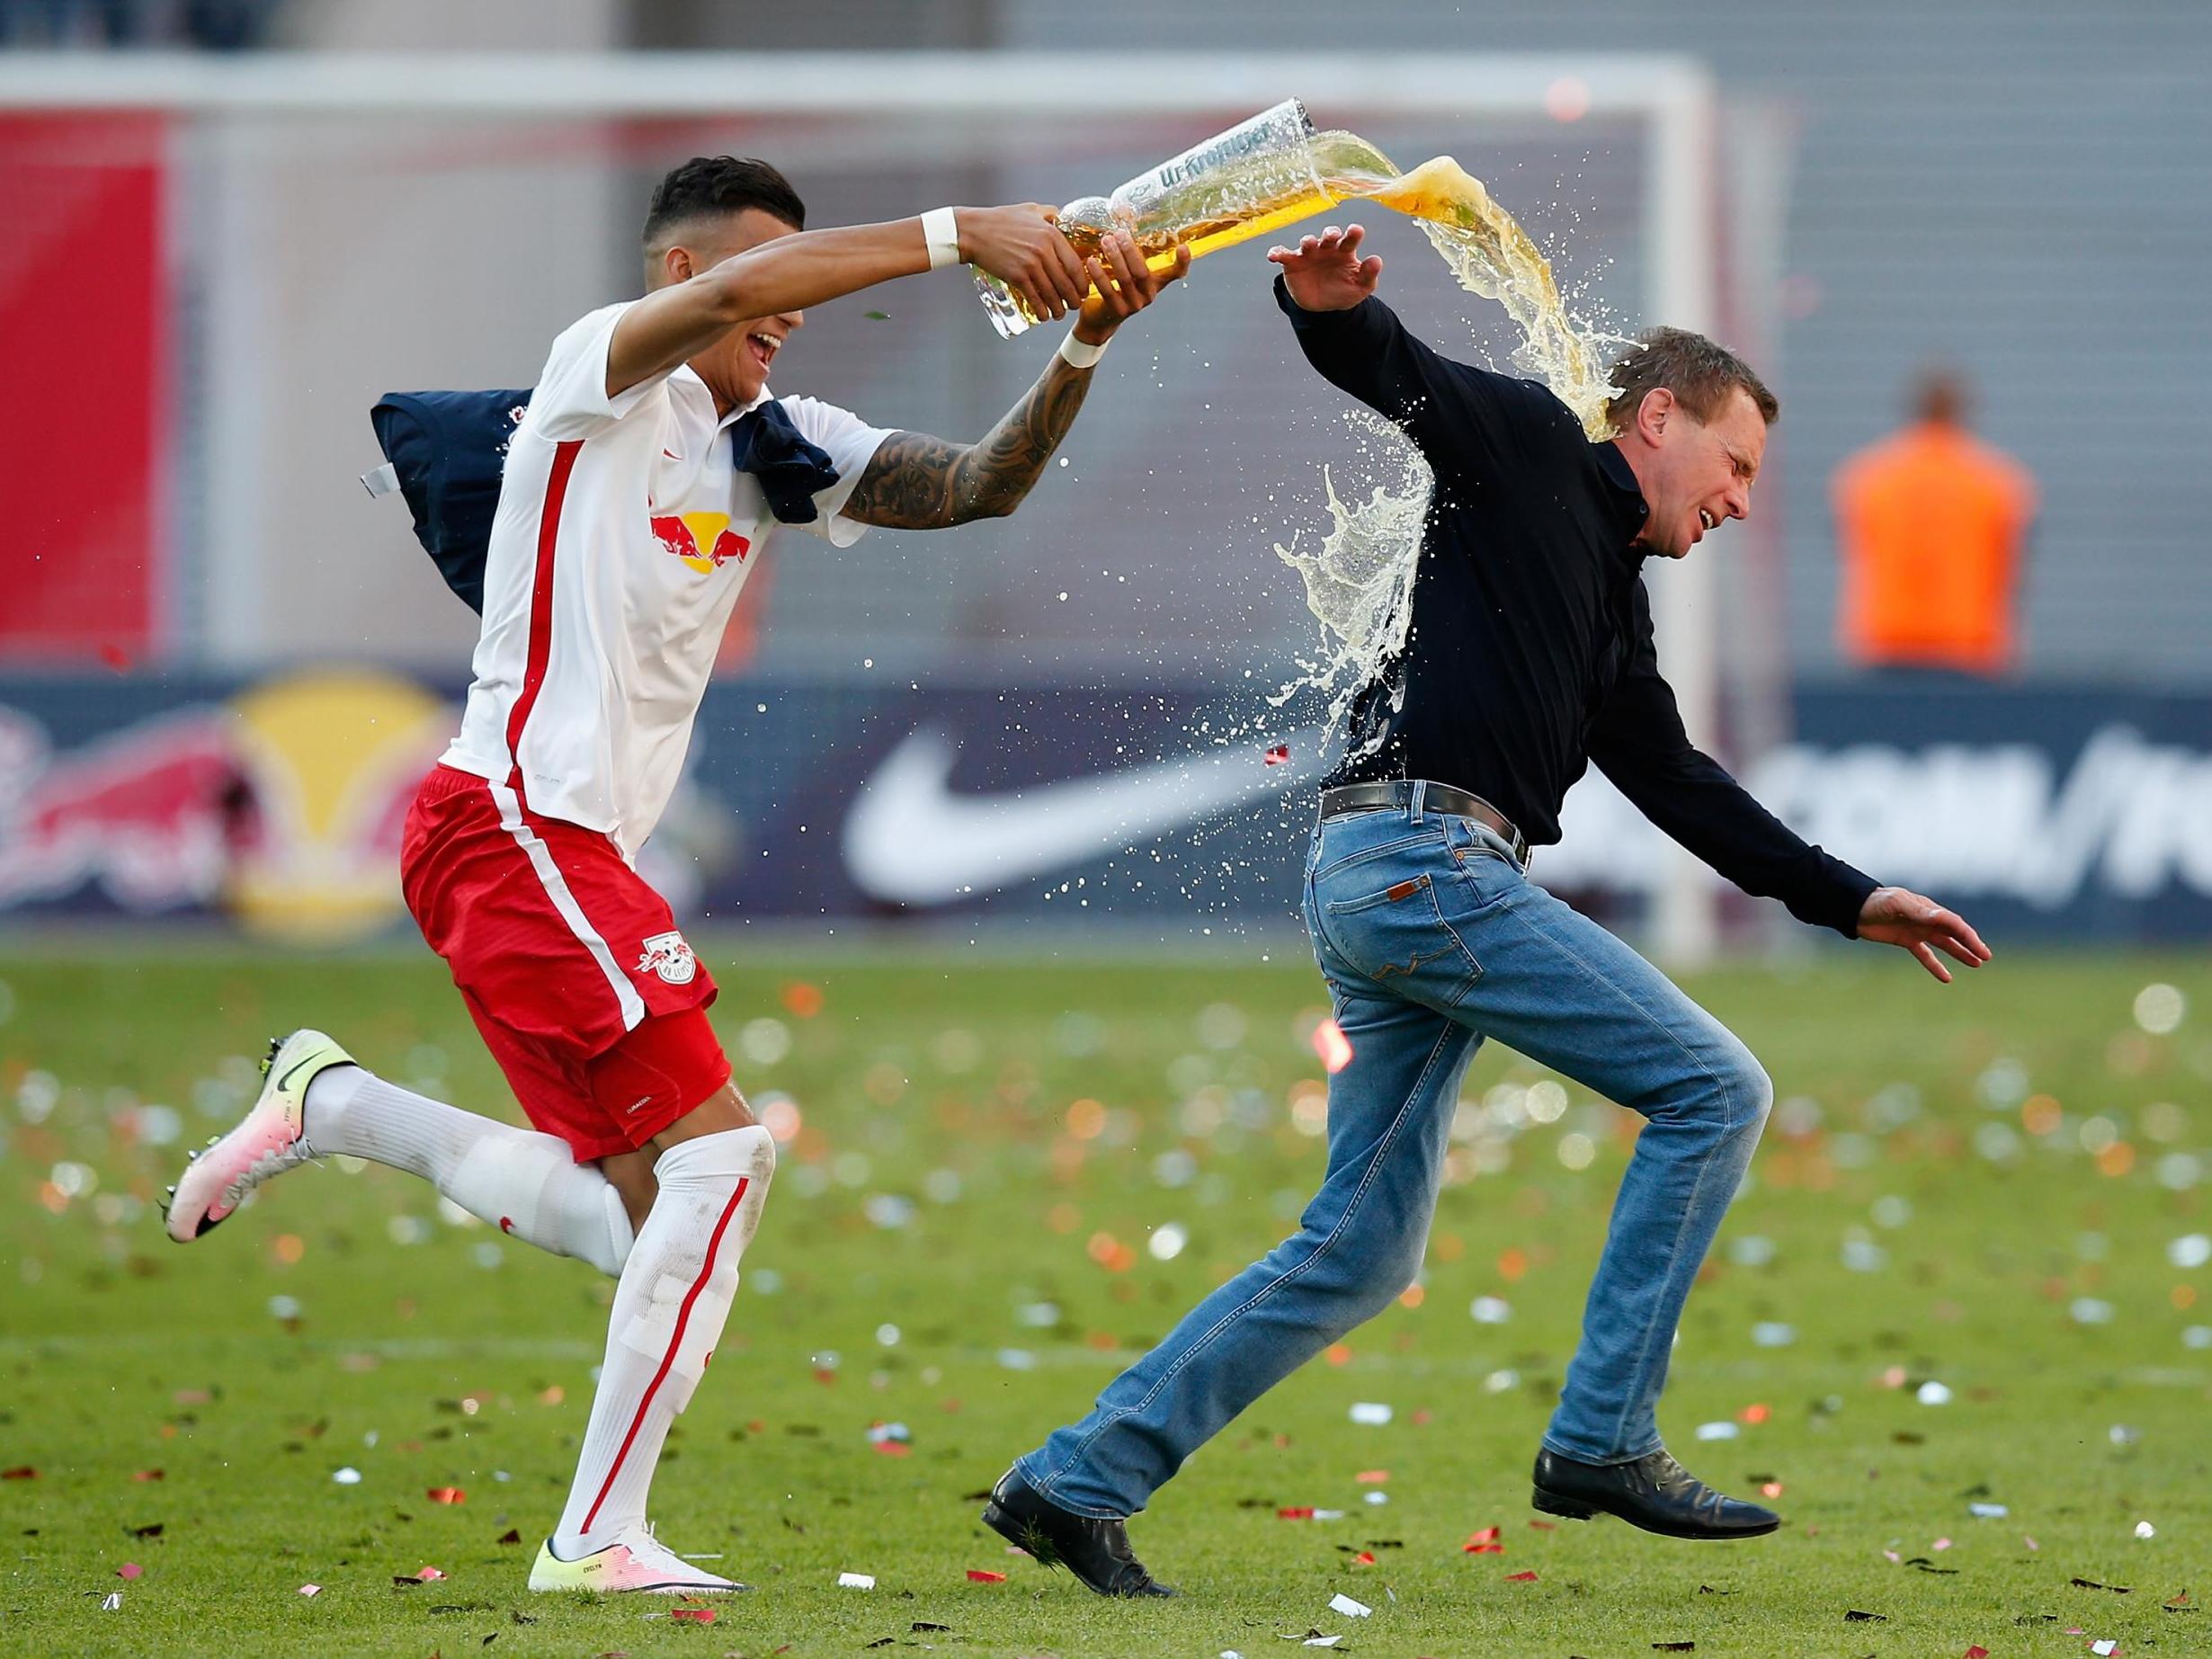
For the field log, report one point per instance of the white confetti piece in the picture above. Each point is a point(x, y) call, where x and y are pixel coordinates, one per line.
point(1490, 1310)
point(1989, 1512)
point(1343, 1603)
point(1322, 1641)
point(1717, 1431)
point(347, 1476)
point(2144, 1528)
point(113, 1601)
point(310, 1590)
point(1933, 1393)
point(856, 1581)
point(1769, 1335)
point(1373, 1412)
point(2106, 1647)
point(1378, 1498)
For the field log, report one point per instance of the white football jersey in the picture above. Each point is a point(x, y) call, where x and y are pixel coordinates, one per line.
point(623, 533)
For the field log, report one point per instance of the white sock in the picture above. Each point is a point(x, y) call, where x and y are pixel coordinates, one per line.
point(521, 1181)
point(669, 1309)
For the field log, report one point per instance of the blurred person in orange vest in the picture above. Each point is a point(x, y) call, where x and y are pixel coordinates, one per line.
point(1931, 522)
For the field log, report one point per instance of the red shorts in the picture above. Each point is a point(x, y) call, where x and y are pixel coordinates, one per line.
point(585, 992)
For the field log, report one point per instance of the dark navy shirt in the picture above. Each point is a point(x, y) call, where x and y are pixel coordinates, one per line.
point(1530, 654)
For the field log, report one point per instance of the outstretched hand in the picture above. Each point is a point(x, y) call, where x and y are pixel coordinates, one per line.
point(1898, 917)
point(1326, 273)
point(1121, 285)
point(1021, 246)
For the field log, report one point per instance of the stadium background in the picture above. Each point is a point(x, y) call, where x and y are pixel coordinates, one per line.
point(1955, 1328)
point(2013, 190)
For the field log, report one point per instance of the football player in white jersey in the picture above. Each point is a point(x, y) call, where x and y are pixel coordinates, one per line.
point(651, 463)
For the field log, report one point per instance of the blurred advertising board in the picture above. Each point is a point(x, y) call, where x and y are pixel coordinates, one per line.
point(275, 805)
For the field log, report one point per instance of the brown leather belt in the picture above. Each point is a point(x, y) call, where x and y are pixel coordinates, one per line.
point(1441, 798)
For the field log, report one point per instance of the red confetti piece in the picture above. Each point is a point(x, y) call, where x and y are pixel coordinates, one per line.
point(802, 999)
point(1754, 1413)
point(1977, 1652)
point(446, 1494)
point(1521, 1578)
point(1277, 755)
point(1297, 1512)
point(1770, 1489)
point(22, 1471)
point(894, 1449)
point(1332, 1046)
point(426, 1576)
point(1372, 1478)
point(693, 1615)
point(1366, 1557)
point(1545, 1526)
point(984, 1576)
point(1488, 1535)
point(129, 1569)
point(151, 1475)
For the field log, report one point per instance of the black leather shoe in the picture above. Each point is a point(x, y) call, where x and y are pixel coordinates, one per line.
point(1653, 1492)
point(1096, 1551)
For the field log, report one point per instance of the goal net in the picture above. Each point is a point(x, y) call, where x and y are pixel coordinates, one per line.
point(310, 233)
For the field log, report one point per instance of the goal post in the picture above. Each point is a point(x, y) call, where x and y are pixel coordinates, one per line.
point(330, 217)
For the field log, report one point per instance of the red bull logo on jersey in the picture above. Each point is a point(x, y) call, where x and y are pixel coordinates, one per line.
point(668, 956)
point(703, 540)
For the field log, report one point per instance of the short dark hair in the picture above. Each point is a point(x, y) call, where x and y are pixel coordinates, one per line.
point(713, 186)
point(1699, 373)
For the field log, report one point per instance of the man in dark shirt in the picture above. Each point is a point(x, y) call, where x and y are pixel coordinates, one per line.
point(1530, 654)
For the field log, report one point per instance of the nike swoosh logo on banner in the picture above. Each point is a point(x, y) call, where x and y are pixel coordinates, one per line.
point(909, 840)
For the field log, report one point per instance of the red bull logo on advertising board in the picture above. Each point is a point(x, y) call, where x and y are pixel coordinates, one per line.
point(703, 540)
point(282, 805)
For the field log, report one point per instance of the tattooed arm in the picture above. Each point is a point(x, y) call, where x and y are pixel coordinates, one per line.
point(917, 482)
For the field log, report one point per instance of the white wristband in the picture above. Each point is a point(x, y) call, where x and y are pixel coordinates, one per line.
point(1078, 355)
point(942, 233)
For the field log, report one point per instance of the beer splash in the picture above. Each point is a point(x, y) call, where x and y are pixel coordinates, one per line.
point(1487, 253)
point(1358, 580)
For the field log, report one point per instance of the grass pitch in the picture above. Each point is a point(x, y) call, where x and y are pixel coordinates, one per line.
point(1966, 1273)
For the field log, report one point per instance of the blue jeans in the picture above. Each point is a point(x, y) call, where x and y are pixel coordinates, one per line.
point(1432, 939)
